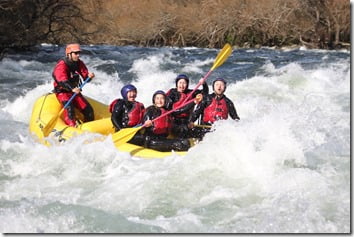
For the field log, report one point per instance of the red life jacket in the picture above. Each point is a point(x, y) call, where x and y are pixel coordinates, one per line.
point(135, 115)
point(162, 125)
point(68, 72)
point(215, 111)
point(182, 97)
point(111, 106)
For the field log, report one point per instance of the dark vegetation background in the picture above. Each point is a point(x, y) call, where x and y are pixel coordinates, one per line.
point(202, 23)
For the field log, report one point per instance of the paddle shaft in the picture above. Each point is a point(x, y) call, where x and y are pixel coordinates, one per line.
point(202, 126)
point(220, 59)
point(171, 111)
point(73, 96)
point(197, 86)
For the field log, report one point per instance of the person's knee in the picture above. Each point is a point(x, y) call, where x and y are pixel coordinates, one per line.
point(138, 139)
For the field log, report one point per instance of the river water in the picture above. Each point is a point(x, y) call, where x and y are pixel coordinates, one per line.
point(283, 168)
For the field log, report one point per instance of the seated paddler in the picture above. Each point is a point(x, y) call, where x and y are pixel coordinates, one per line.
point(127, 112)
point(215, 106)
point(157, 132)
point(178, 96)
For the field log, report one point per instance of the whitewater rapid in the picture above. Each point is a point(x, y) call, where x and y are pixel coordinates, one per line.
point(283, 168)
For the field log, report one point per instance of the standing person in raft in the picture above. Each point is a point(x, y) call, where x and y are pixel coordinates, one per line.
point(215, 106)
point(156, 132)
point(177, 96)
point(67, 79)
point(128, 112)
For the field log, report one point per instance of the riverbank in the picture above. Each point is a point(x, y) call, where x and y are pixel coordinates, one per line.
point(181, 23)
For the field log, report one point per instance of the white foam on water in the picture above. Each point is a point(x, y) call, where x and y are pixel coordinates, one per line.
point(283, 168)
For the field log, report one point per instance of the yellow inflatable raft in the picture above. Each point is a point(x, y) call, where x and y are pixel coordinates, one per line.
point(47, 106)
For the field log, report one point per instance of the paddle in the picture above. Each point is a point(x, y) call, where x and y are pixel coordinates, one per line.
point(220, 59)
point(202, 126)
point(125, 134)
point(48, 128)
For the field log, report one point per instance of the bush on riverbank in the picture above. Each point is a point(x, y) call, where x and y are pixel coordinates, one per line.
point(201, 23)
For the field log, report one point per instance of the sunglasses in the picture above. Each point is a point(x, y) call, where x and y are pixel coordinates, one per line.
point(76, 53)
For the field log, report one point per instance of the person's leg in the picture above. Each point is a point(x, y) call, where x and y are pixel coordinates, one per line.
point(181, 144)
point(69, 113)
point(138, 139)
point(85, 108)
point(197, 132)
point(180, 128)
point(164, 144)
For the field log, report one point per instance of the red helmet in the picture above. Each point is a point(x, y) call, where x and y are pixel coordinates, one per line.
point(72, 48)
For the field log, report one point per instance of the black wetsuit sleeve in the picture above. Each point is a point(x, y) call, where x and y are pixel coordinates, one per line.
point(168, 103)
point(171, 93)
point(204, 91)
point(150, 113)
point(199, 110)
point(117, 114)
point(232, 109)
point(65, 85)
point(171, 97)
point(184, 109)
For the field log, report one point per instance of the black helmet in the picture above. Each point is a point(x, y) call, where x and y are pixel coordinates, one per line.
point(219, 79)
point(156, 93)
point(182, 76)
point(124, 91)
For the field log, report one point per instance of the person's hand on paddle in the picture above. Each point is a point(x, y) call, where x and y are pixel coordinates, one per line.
point(198, 98)
point(76, 90)
point(91, 75)
point(148, 123)
point(190, 125)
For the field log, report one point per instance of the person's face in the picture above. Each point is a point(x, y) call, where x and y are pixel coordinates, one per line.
point(181, 85)
point(159, 100)
point(131, 95)
point(219, 87)
point(74, 56)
